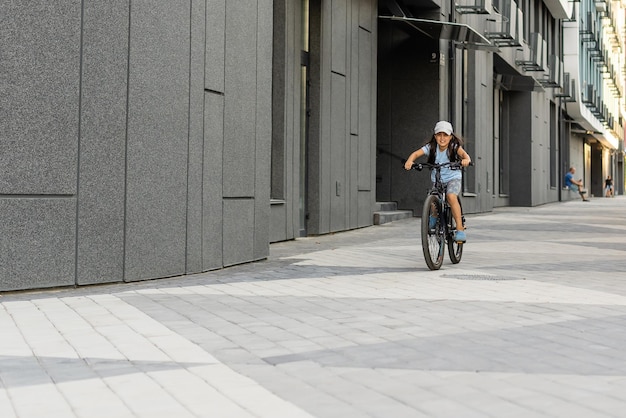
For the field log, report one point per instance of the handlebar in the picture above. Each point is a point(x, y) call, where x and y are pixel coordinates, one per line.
point(453, 165)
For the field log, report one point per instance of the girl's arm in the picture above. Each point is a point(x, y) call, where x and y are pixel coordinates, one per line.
point(465, 158)
point(414, 156)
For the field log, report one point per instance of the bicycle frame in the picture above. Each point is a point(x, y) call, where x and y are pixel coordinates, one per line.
point(435, 241)
point(440, 190)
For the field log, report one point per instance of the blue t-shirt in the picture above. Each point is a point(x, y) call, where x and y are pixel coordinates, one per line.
point(447, 173)
point(568, 179)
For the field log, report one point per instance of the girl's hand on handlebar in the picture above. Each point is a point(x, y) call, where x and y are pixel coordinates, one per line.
point(408, 165)
point(466, 162)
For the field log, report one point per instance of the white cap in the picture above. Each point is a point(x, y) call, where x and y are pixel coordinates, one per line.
point(443, 126)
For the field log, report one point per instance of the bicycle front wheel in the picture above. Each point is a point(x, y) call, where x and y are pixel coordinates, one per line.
point(433, 239)
point(455, 249)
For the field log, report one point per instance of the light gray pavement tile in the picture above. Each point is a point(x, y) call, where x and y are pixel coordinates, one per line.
point(302, 393)
point(146, 368)
point(6, 407)
point(449, 408)
point(80, 393)
point(35, 400)
point(344, 325)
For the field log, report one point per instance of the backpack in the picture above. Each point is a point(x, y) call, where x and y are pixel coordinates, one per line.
point(453, 149)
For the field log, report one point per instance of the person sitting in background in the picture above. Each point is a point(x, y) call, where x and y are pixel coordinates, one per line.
point(574, 185)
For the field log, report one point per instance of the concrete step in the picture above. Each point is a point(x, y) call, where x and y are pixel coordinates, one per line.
point(388, 212)
point(386, 206)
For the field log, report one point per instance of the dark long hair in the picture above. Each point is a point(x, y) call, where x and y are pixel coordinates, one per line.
point(453, 148)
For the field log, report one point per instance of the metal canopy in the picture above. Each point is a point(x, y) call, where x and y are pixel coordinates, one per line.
point(459, 33)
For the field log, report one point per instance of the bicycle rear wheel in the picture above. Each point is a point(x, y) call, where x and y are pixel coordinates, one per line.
point(455, 249)
point(433, 240)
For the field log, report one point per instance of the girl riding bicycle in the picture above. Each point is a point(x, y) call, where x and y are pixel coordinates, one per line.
point(444, 147)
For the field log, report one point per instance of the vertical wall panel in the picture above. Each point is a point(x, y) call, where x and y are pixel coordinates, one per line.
point(341, 157)
point(365, 105)
point(196, 138)
point(100, 256)
point(384, 81)
point(363, 48)
point(38, 241)
point(338, 191)
point(157, 139)
point(352, 137)
point(368, 12)
point(339, 35)
point(215, 34)
point(354, 67)
point(238, 235)
point(324, 161)
point(240, 98)
point(366, 208)
point(39, 114)
point(353, 174)
point(263, 130)
point(282, 54)
point(212, 233)
point(39, 96)
point(520, 151)
point(293, 100)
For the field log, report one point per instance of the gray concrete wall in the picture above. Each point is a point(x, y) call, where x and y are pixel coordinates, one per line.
point(157, 138)
point(478, 132)
point(408, 108)
point(102, 143)
point(136, 139)
point(40, 66)
point(342, 140)
point(520, 148)
point(542, 191)
point(285, 188)
point(341, 174)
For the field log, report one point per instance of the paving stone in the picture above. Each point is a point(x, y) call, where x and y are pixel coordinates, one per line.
point(344, 325)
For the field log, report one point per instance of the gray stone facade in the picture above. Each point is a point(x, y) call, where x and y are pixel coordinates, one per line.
point(135, 139)
point(325, 182)
point(150, 139)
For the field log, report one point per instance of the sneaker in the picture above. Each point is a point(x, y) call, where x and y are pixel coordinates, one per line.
point(459, 236)
point(432, 222)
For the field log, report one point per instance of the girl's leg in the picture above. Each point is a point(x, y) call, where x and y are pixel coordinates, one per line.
point(453, 201)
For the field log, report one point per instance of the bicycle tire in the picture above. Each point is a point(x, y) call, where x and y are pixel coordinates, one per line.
point(433, 241)
point(455, 249)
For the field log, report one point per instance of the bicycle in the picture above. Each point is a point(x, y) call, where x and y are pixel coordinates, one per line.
point(434, 240)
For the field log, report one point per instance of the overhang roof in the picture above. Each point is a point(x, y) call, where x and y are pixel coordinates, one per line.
point(462, 35)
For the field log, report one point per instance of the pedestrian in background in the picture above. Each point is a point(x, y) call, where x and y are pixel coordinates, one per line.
point(608, 186)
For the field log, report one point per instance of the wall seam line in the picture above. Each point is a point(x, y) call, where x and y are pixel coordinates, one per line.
point(188, 139)
point(80, 111)
point(125, 221)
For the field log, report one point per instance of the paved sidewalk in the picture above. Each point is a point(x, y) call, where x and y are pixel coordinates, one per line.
point(531, 323)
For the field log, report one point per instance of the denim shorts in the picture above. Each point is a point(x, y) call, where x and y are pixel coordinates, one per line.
point(454, 186)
